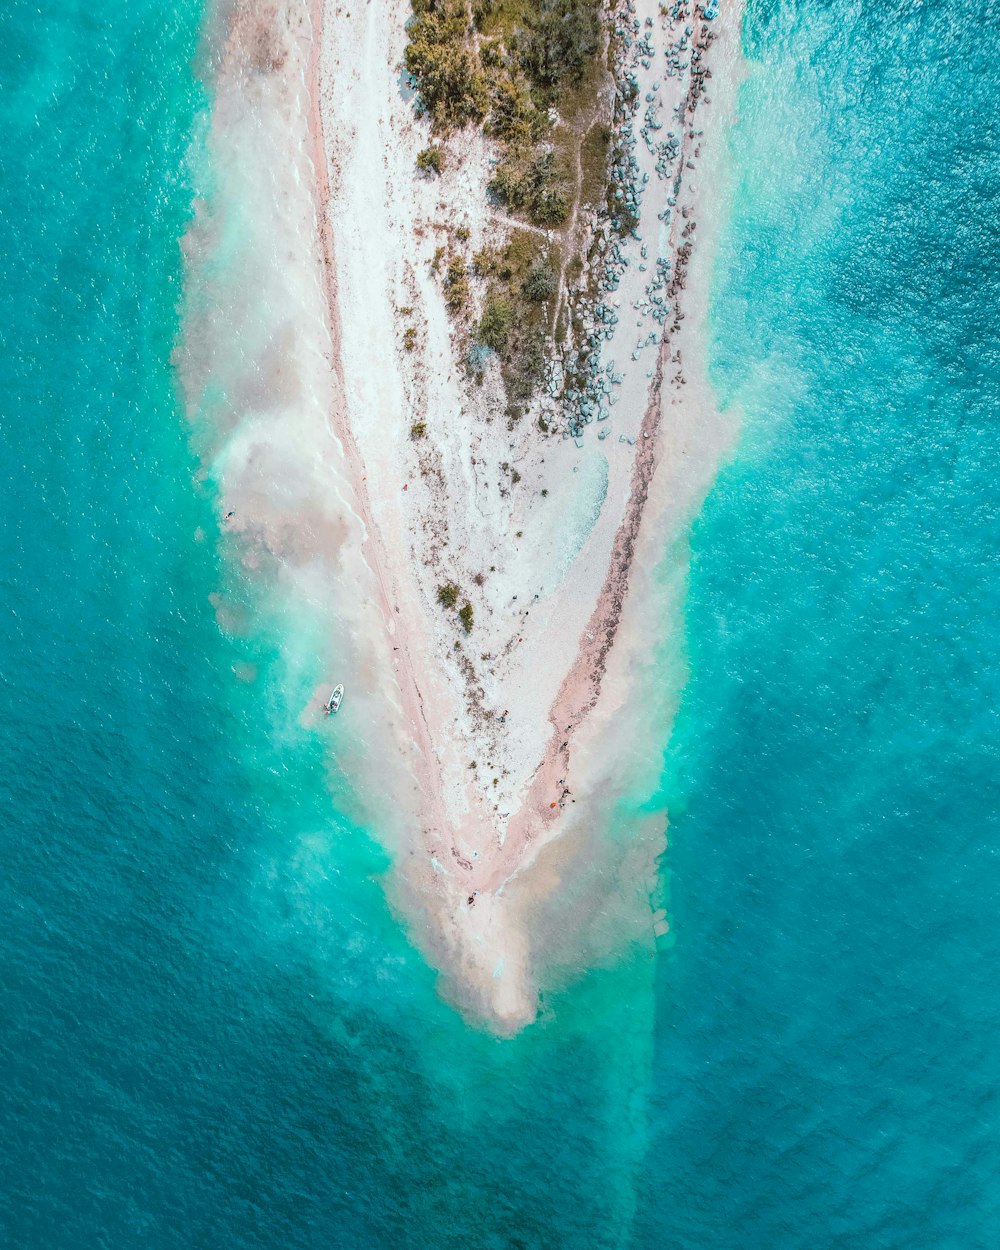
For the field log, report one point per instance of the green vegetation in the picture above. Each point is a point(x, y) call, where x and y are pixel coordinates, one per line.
point(448, 595)
point(487, 262)
point(494, 325)
point(418, 429)
point(594, 164)
point(529, 181)
point(430, 161)
point(559, 39)
point(550, 42)
point(410, 338)
point(540, 284)
point(504, 69)
point(516, 313)
point(450, 80)
point(505, 65)
point(456, 283)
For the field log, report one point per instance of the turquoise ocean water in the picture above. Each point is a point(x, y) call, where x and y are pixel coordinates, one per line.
point(213, 1033)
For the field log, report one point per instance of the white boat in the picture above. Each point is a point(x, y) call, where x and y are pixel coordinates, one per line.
point(334, 700)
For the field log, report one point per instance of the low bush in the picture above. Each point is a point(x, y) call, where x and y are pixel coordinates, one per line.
point(448, 595)
point(495, 324)
point(550, 208)
point(486, 262)
point(465, 616)
point(448, 77)
point(456, 284)
point(559, 40)
point(430, 161)
point(513, 118)
point(530, 182)
point(540, 284)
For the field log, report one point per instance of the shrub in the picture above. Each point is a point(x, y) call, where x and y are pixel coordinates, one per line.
point(549, 208)
point(484, 262)
point(495, 324)
point(456, 296)
point(510, 185)
point(418, 429)
point(527, 370)
point(465, 616)
point(456, 283)
point(531, 183)
point(430, 161)
point(513, 118)
point(451, 85)
point(490, 50)
point(540, 284)
point(489, 262)
point(410, 338)
point(559, 41)
point(448, 595)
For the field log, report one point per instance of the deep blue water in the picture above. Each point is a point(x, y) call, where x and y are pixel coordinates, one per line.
point(214, 1034)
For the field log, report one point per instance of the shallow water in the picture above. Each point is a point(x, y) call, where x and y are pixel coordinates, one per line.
point(214, 1032)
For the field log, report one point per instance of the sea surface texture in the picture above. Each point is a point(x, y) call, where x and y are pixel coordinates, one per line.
point(213, 1033)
